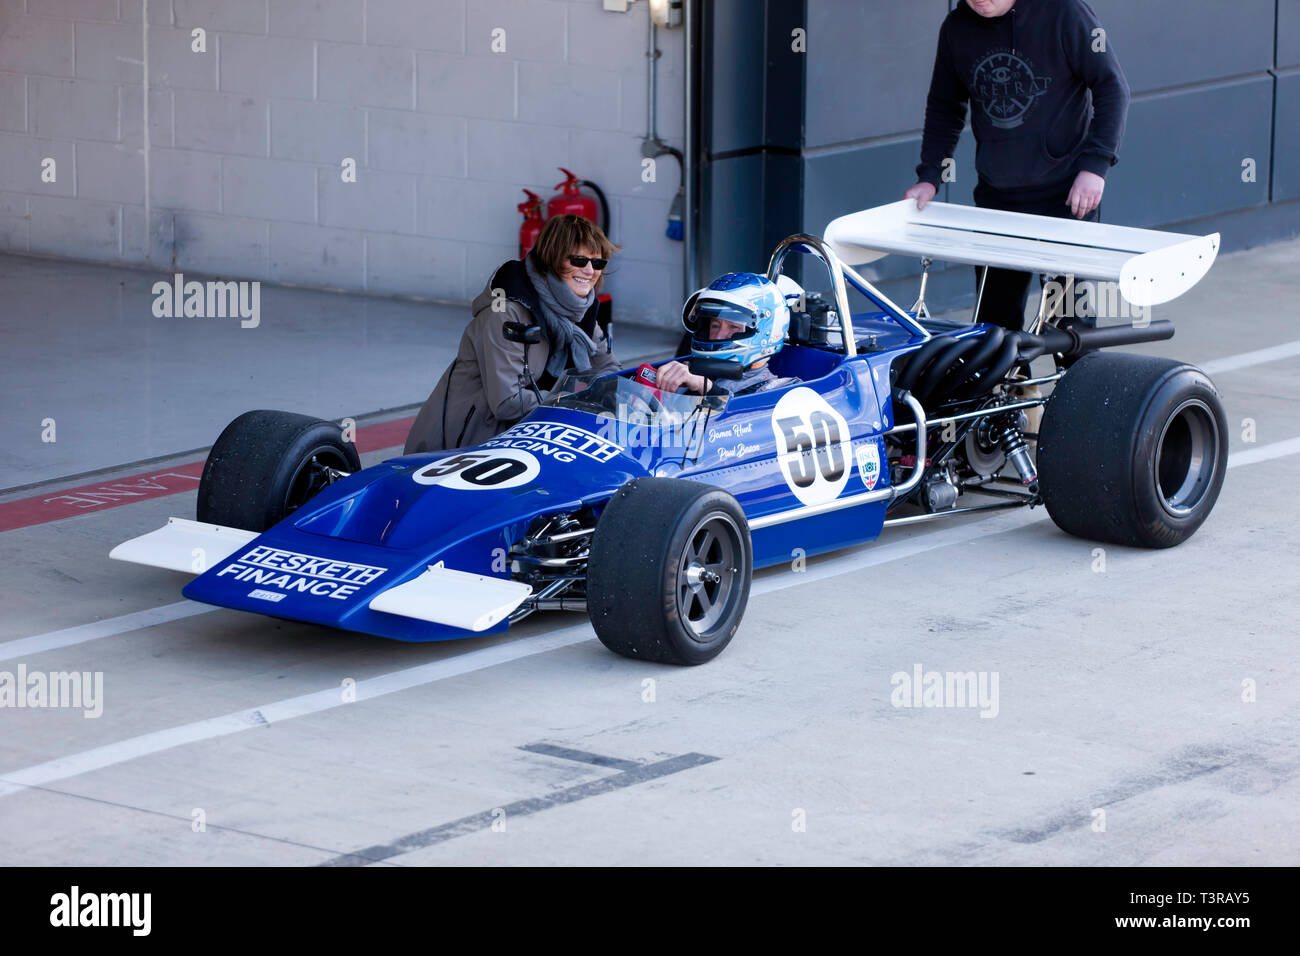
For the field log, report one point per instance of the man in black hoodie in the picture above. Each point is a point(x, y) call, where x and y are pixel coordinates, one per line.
point(1048, 105)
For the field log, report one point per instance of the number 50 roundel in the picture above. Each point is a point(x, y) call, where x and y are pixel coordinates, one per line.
point(813, 446)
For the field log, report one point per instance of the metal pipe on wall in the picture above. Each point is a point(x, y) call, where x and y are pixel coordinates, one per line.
point(652, 147)
point(652, 81)
point(689, 11)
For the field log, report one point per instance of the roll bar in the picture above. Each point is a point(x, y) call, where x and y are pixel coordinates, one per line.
point(839, 272)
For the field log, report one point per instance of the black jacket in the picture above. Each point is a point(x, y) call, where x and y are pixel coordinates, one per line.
point(1048, 97)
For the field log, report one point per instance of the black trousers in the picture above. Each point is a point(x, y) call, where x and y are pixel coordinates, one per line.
point(1006, 291)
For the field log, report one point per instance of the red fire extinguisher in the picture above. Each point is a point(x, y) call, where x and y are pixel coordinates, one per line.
point(571, 199)
point(532, 224)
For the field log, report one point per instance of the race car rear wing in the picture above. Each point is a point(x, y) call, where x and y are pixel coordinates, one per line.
point(1150, 266)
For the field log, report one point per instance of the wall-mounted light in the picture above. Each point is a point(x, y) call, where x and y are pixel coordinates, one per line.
point(664, 13)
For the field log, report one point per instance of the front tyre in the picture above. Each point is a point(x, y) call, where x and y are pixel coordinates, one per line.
point(266, 465)
point(669, 571)
point(1132, 450)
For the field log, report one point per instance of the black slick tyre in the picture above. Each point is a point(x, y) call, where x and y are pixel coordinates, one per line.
point(1132, 450)
point(266, 465)
point(669, 571)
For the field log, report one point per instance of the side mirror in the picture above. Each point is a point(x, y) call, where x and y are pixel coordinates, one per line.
point(715, 368)
point(523, 334)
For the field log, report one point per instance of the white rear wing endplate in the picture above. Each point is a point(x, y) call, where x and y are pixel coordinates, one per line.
point(1150, 266)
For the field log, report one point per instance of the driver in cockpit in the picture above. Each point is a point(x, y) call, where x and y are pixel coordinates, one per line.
point(741, 318)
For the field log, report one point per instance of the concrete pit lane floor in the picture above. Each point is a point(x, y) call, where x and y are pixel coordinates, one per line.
point(1138, 707)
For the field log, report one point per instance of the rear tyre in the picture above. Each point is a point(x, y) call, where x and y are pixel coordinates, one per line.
point(1132, 450)
point(669, 571)
point(268, 464)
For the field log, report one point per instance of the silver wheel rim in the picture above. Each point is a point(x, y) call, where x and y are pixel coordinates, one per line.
point(1187, 457)
point(707, 575)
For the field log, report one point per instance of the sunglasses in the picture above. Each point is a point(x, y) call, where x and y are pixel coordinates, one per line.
point(580, 262)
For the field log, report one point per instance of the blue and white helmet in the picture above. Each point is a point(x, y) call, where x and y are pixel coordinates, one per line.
point(755, 302)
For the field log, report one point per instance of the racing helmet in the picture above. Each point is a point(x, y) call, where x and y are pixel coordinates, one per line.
point(754, 302)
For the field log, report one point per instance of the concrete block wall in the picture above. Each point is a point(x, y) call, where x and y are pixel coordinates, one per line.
point(240, 171)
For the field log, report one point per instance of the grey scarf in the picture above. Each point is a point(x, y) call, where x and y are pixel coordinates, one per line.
point(562, 309)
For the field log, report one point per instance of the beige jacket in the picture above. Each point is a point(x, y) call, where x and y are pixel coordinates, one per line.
point(483, 392)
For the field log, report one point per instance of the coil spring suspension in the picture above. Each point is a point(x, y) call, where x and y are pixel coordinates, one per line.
point(1016, 449)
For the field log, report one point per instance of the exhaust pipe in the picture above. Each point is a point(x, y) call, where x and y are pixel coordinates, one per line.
point(1074, 340)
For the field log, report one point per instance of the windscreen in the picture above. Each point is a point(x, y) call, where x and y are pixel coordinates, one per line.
point(628, 400)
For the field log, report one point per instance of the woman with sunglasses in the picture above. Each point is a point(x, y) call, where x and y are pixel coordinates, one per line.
point(483, 392)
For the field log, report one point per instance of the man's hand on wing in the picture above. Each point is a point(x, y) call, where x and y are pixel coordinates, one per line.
point(922, 193)
point(1085, 194)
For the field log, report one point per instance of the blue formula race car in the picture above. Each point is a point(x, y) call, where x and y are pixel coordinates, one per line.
point(649, 509)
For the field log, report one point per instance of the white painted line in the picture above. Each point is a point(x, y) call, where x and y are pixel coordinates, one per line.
point(109, 627)
point(1230, 363)
point(115, 753)
point(1253, 456)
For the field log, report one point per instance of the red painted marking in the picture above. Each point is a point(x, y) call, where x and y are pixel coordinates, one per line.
point(384, 435)
point(43, 508)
